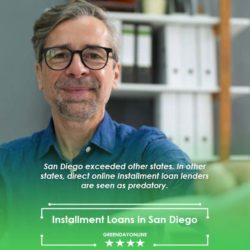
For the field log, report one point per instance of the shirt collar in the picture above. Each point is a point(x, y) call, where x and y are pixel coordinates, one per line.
point(104, 137)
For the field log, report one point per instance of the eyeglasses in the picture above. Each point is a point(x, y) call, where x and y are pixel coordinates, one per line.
point(92, 57)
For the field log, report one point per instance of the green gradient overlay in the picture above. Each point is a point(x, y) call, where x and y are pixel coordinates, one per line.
point(227, 226)
point(220, 222)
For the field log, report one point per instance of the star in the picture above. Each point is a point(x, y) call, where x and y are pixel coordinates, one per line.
point(109, 243)
point(130, 243)
point(119, 243)
point(140, 243)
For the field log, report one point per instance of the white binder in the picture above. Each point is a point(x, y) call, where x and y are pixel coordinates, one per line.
point(207, 58)
point(128, 52)
point(181, 58)
point(144, 53)
point(204, 126)
point(167, 114)
point(185, 123)
point(189, 56)
point(173, 55)
point(144, 41)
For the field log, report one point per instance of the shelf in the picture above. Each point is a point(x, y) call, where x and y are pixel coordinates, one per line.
point(215, 158)
point(208, 160)
point(147, 90)
point(240, 90)
point(163, 19)
point(238, 24)
point(240, 157)
point(138, 89)
point(144, 90)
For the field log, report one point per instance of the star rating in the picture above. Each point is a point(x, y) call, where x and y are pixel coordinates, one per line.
point(109, 243)
point(140, 243)
point(130, 243)
point(120, 243)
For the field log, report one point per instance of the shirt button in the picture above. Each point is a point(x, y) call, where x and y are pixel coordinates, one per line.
point(88, 149)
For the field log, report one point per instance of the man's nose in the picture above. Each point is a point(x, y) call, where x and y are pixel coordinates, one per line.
point(76, 69)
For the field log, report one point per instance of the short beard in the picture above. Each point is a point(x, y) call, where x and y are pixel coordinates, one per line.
point(87, 108)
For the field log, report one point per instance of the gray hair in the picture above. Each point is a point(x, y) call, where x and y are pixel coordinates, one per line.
point(52, 17)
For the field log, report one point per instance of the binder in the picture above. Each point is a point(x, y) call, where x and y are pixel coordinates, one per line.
point(160, 55)
point(173, 55)
point(144, 54)
point(186, 121)
point(167, 114)
point(189, 56)
point(204, 126)
point(180, 57)
point(207, 58)
point(128, 53)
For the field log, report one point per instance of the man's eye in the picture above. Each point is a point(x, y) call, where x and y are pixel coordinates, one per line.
point(92, 55)
point(56, 55)
point(60, 55)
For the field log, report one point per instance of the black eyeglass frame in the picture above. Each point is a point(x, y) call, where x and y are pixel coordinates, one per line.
point(79, 52)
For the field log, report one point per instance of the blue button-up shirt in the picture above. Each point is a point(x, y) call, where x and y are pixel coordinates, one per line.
point(23, 163)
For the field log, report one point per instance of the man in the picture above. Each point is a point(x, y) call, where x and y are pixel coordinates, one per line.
point(77, 67)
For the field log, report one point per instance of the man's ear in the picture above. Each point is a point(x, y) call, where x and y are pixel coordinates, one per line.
point(117, 73)
point(38, 70)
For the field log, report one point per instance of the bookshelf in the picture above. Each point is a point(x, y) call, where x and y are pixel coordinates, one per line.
point(141, 90)
point(159, 92)
point(238, 24)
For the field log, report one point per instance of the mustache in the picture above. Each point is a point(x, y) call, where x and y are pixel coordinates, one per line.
point(80, 82)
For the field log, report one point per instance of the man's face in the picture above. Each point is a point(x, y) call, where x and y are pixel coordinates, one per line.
point(78, 93)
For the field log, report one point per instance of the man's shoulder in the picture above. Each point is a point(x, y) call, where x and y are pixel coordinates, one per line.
point(152, 144)
point(144, 137)
point(143, 133)
point(21, 144)
point(150, 132)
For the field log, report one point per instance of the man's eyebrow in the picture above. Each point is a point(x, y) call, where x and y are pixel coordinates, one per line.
point(66, 45)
